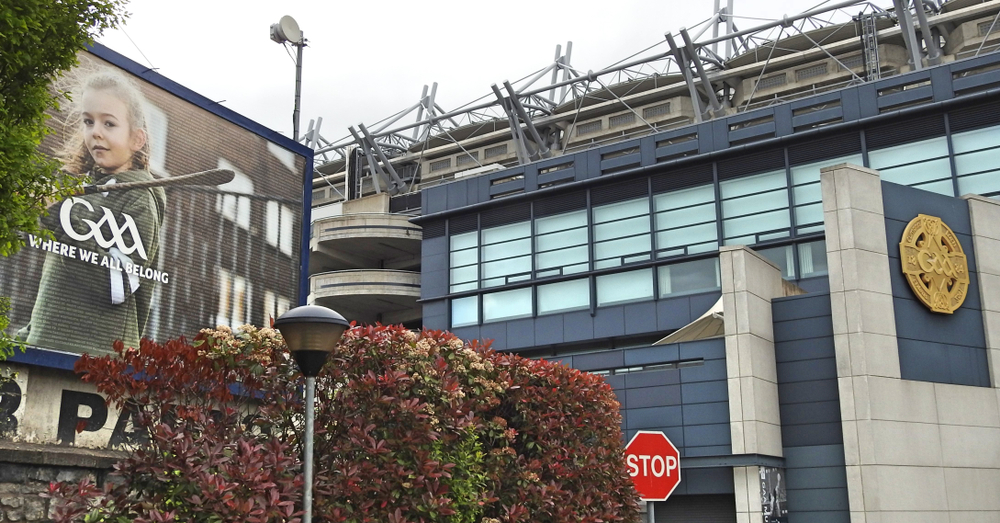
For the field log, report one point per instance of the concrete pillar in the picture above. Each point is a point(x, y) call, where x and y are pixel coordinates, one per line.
point(749, 283)
point(984, 213)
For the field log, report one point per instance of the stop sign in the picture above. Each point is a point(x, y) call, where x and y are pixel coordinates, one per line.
point(654, 465)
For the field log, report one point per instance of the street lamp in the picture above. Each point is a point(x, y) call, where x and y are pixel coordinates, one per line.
point(311, 333)
point(287, 31)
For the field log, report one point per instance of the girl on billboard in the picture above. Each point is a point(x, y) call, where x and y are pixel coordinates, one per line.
point(90, 292)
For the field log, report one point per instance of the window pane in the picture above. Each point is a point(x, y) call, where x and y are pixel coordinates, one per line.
point(809, 214)
point(506, 249)
point(978, 139)
point(618, 229)
point(464, 257)
point(507, 267)
point(464, 240)
point(617, 211)
point(908, 153)
point(760, 223)
point(753, 184)
point(745, 216)
point(917, 173)
point(464, 274)
point(464, 311)
point(812, 259)
point(559, 240)
point(754, 204)
point(624, 287)
point(687, 236)
point(985, 183)
point(560, 222)
point(617, 252)
point(507, 305)
point(977, 161)
point(683, 198)
point(687, 216)
point(506, 232)
point(809, 173)
point(564, 296)
point(807, 193)
point(561, 258)
point(783, 258)
point(690, 277)
point(945, 187)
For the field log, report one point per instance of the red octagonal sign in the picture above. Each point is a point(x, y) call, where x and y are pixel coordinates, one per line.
point(654, 464)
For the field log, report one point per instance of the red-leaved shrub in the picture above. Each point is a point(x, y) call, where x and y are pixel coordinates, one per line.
point(410, 427)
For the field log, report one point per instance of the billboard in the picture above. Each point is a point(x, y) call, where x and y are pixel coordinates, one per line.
point(166, 256)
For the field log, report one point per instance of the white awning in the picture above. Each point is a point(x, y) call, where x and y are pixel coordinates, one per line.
point(708, 325)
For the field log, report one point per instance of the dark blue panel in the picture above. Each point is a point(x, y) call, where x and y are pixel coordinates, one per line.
point(817, 500)
point(705, 392)
point(458, 195)
point(810, 413)
point(702, 302)
point(809, 370)
point(651, 355)
point(434, 199)
point(673, 313)
point(433, 283)
point(620, 394)
point(653, 396)
point(712, 450)
point(807, 391)
point(549, 329)
point(705, 435)
point(468, 333)
point(706, 413)
point(815, 477)
point(815, 456)
point(941, 363)
point(609, 322)
point(803, 329)
point(578, 326)
point(811, 435)
point(652, 378)
point(521, 333)
point(915, 321)
point(819, 284)
point(798, 307)
point(807, 349)
point(905, 203)
point(711, 370)
point(435, 322)
point(838, 516)
point(611, 359)
point(674, 434)
point(640, 318)
point(707, 481)
point(616, 382)
point(655, 417)
point(496, 332)
point(707, 349)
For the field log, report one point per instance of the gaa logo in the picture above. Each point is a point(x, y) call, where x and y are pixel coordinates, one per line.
point(116, 239)
point(934, 264)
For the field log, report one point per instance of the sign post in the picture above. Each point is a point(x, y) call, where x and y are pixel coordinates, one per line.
point(654, 465)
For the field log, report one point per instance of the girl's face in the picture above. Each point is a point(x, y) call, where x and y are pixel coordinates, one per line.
point(108, 136)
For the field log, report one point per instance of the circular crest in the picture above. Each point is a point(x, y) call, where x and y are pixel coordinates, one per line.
point(934, 264)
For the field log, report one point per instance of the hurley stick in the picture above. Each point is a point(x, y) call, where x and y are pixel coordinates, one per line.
point(209, 177)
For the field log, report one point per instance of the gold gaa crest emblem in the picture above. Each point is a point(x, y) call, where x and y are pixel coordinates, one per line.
point(934, 264)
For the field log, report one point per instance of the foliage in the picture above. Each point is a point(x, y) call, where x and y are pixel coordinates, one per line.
point(409, 428)
point(38, 40)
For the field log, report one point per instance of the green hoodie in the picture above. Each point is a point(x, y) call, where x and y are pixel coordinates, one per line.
point(83, 306)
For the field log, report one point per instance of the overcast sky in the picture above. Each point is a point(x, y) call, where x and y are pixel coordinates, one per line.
point(367, 60)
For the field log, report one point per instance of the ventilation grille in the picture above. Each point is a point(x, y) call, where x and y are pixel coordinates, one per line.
point(680, 178)
point(771, 81)
point(852, 62)
point(656, 110)
point(589, 127)
point(462, 224)
point(752, 163)
point(905, 131)
point(831, 147)
point(619, 191)
point(621, 119)
point(441, 165)
point(560, 204)
point(497, 150)
point(468, 158)
point(504, 215)
point(319, 194)
point(984, 28)
point(972, 117)
point(433, 229)
point(810, 72)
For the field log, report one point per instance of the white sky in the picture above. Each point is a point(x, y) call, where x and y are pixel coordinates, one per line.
point(368, 60)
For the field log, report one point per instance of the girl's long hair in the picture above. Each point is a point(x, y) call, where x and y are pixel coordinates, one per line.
point(74, 154)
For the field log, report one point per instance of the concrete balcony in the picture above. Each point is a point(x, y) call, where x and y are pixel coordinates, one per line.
point(364, 240)
point(369, 295)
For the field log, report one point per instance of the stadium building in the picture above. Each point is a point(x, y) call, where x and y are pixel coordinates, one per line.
point(780, 245)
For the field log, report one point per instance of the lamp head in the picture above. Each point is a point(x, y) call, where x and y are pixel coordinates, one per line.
point(311, 333)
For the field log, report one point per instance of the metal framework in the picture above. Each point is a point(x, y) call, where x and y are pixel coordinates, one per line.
point(541, 109)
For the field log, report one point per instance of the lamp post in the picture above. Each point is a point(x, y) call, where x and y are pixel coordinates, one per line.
point(287, 30)
point(311, 333)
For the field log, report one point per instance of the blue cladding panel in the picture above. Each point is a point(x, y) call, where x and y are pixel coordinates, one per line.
point(809, 404)
point(940, 348)
point(549, 329)
point(706, 481)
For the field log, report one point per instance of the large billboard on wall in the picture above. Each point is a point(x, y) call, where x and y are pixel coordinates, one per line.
point(166, 256)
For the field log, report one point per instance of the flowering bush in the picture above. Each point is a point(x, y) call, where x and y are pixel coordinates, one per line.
point(410, 427)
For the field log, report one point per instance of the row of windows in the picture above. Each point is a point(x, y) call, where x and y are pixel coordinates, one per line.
point(677, 279)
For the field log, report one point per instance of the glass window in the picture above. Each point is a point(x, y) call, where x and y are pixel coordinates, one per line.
point(561, 244)
point(564, 296)
point(686, 222)
point(463, 261)
point(506, 254)
point(755, 208)
point(977, 161)
point(690, 277)
point(812, 259)
point(807, 194)
point(621, 233)
point(624, 287)
point(465, 311)
point(507, 305)
point(922, 164)
point(783, 257)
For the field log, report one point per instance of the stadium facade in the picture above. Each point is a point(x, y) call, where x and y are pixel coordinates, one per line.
point(786, 258)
